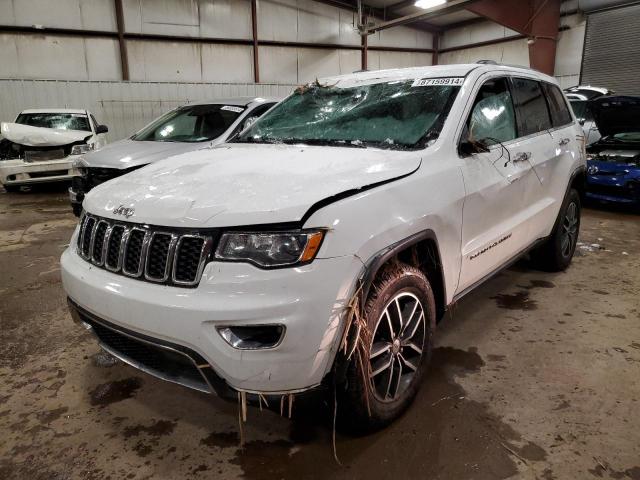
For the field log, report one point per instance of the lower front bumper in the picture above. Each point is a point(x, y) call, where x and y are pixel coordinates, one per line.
point(164, 360)
point(18, 172)
point(613, 198)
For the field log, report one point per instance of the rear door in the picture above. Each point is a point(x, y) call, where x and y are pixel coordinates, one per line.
point(554, 168)
point(538, 148)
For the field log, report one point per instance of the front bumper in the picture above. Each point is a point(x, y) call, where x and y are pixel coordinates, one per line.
point(619, 190)
point(18, 172)
point(309, 301)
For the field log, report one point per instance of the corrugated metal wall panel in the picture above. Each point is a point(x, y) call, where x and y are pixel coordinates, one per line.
point(123, 106)
point(611, 54)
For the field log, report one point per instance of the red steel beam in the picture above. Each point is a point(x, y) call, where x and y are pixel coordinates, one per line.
point(538, 20)
point(254, 29)
point(124, 55)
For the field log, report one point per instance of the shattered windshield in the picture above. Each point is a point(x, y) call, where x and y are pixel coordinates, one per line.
point(395, 115)
point(195, 123)
point(61, 121)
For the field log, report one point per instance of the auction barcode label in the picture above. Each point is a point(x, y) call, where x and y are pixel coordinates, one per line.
point(429, 82)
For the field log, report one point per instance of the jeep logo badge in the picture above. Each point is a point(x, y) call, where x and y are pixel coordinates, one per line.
point(124, 211)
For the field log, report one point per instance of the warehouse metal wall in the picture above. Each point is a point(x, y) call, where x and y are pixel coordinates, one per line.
point(77, 57)
point(124, 107)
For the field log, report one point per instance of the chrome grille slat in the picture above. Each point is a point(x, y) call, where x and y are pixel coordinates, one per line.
point(97, 242)
point(144, 252)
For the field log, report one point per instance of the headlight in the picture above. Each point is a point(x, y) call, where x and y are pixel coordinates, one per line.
point(270, 249)
point(84, 148)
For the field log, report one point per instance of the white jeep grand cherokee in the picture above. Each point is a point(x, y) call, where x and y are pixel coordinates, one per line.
point(235, 268)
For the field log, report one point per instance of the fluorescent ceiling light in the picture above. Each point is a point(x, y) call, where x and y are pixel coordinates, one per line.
point(429, 3)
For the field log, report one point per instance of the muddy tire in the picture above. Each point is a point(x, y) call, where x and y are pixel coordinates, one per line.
point(556, 253)
point(400, 315)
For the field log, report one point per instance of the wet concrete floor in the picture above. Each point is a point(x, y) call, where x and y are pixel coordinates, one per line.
point(535, 376)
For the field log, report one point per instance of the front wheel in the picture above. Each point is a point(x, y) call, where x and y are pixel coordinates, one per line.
point(556, 253)
point(400, 314)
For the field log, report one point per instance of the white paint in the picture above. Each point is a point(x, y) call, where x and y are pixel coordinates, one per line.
point(248, 184)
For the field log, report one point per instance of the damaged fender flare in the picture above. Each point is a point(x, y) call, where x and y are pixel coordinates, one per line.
point(374, 264)
point(371, 269)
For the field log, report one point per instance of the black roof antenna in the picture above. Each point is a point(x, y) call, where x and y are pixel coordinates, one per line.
point(487, 62)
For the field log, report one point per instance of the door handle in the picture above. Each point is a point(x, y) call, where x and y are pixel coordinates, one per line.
point(564, 141)
point(522, 157)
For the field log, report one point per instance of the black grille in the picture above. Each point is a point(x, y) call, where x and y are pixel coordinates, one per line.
point(145, 252)
point(188, 255)
point(158, 256)
point(113, 248)
point(98, 242)
point(133, 252)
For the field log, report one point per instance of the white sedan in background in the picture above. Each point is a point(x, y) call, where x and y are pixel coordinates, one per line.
point(41, 145)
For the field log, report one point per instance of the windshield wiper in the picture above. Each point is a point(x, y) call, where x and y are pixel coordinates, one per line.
point(324, 142)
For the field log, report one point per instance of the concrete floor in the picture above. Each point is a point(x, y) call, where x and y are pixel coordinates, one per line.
point(535, 376)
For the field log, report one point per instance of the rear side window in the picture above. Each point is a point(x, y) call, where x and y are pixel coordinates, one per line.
point(560, 115)
point(533, 114)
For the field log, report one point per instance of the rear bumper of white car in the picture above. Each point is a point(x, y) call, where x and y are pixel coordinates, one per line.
point(18, 172)
point(308, 301)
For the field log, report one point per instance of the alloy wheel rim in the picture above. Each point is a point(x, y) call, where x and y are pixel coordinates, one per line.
point(396, 347)
point(569, 230)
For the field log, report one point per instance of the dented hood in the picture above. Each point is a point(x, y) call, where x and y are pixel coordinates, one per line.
point(243, 184)
point(129, 153)
point(41, 137)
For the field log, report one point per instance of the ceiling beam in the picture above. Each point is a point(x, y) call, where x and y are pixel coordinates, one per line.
point(401, 4)
point(425, 14)
point(379, 13)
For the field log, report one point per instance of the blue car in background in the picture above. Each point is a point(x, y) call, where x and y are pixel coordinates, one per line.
point(613, 162)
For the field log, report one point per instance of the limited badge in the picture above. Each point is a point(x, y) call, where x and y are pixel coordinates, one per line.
point(438, 82)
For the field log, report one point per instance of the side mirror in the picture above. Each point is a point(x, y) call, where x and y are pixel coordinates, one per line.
point(468, 148)
point(102, 129)
point(581, 121)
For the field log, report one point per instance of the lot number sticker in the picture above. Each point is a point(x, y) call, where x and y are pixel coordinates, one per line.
point(232, 109)
point(436, 82)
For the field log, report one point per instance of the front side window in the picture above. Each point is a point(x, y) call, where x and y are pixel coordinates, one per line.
point(196, 123)
point(61, 121)
point(533, 114)
point(492, 118)
point(560, 115)
point(396, 115)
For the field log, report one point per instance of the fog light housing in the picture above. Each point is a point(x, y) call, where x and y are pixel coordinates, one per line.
point(253, 337)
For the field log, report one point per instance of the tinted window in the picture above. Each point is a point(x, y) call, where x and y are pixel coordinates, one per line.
point(558, 106)
point(196, 123)
point(492, 119)
point(581, 110)
point(533, 114)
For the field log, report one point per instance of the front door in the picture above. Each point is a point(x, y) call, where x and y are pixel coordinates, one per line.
point(497, 184)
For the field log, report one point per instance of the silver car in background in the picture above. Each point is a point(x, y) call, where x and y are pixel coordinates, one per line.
point(184, 129)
